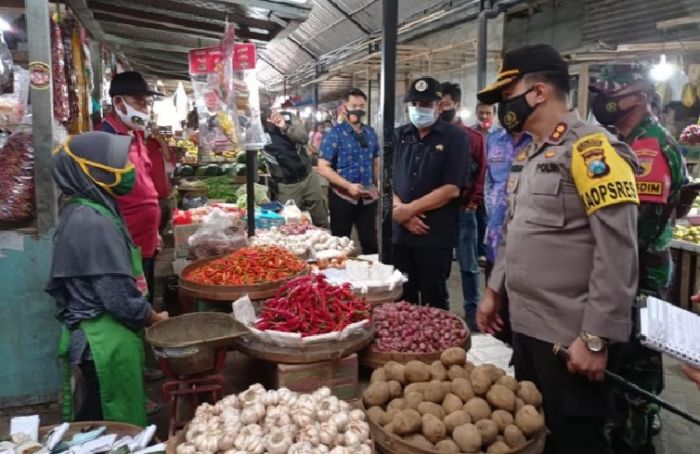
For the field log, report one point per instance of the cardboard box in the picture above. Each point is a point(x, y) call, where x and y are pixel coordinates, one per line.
point(340, 376)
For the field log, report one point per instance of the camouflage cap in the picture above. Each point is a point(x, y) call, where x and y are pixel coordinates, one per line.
point(614, 77)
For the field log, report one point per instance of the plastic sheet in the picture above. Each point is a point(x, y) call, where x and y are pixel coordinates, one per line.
point(13, 105)
point(215, 237)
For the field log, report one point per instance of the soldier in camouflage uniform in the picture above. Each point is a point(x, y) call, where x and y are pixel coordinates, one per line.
point(623, 101)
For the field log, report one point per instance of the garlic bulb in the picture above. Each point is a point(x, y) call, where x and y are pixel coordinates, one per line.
point(328, 432)
point(185, 448)
point(277, 417)
point(327, 408)
point(207, 442)
point(277, 442)
point(364, 449)
point(351, 439)
point(340, 419)
point(270, 398)
point(322, 393)
point(304, 410)
point(360, 428)
point(310, 433)
point(344, 406)
point(340, 450)
point(302, 447)
point(204, 409)
point(286, 397)
point(253, 413)
point(320, 449)
point(226, 441)
point(357, 415)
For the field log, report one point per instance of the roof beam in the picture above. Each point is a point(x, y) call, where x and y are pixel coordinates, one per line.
point(678, 22)
point(288, 10)
point(303, 48)
point(120, 41)
point(168, 26)
point(270, 64)
point(349, 17)
point(168, 36)
point(132, 7)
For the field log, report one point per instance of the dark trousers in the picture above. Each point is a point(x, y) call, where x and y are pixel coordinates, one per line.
point(91, 408)
point(481, 221)
point(345, 215)
point(575, 408)
point(149, 267)
point(428, 269)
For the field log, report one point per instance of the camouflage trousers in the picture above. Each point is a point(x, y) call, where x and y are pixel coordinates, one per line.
point(630, 427)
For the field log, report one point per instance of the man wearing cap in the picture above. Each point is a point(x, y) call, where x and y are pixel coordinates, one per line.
point(623, 100)
point(432, 165)
point(569, 255)
point(140, 208)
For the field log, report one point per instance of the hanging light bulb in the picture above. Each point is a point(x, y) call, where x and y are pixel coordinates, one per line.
point(662, 71)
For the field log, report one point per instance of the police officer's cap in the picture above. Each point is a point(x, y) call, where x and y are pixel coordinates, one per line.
point(425, 89)
point(130, 83)
point(536, 58)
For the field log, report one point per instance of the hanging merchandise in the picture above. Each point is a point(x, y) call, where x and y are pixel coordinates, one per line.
point(71, 77)
point(217, 121)
point(17, 174)
point(13, 105)
point(6, 67)
point(61, 108)
point(81, 119)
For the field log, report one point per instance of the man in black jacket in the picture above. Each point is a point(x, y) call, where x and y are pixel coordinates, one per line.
point(290, 165)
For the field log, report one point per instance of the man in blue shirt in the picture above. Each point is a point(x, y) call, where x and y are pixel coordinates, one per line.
point(349, 160)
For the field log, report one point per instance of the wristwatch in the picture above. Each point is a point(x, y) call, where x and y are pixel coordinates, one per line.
point(593, 343)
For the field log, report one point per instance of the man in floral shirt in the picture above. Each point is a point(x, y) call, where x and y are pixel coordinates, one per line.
point(349, 160)
point(501, 149)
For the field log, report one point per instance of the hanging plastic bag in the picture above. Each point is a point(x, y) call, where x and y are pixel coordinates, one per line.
point(217, 236)
point(291, 212)
point(13, 105)
point(6, 68)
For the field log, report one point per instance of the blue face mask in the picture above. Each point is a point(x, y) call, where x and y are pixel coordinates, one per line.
point(422, 117)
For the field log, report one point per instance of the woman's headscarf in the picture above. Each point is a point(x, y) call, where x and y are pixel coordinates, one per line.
point(87, 243)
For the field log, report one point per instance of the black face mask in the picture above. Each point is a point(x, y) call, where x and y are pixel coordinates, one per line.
point(513, 112)
point(448, 115)
point(358, 114)
point(606, 109)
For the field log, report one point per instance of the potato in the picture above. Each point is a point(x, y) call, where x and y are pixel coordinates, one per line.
point(494, 371)
point(501, 398)
point(396, 404)
point(416, 371)
point(391, 414)
point(376, 394)
point(447, 447)
point(438, 371)
point(447, 386)
point(457, 372)
point(514, 437)
point(529, 420)
point(433, 429)
point(469, 367)
point(456, 418)
point(502, 419)
point(434, 392)
point(407, 422)
point(488, 430)
point(478, 409)
point(395, 371)
point(452, 403)
point(529, 393)
point(498, 447)
point(509, 382)
point(462, 388)
point(389, 428)
point(395, 389)
point(519, 403)
point(378, 375)
point(453, 356)
point(481, 381)
point(413, 399)
point(415, 387)
point(467, 437)
point(419, 441)
point(378, 416)
point(425, 408)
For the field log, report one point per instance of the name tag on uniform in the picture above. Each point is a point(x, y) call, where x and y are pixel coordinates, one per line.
point(547, 168)
point(516, 168)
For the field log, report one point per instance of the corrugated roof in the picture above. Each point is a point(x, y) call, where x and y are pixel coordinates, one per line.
point(635, 21)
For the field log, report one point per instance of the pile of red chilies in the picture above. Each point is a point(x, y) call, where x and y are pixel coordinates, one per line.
point(309, 305)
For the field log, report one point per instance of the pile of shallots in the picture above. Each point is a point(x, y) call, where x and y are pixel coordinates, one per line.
point(279, 421)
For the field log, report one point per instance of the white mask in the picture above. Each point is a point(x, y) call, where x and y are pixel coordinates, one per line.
point(133, 118)
point(422, 117)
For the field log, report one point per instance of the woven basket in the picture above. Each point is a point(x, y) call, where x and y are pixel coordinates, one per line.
point(190, 342)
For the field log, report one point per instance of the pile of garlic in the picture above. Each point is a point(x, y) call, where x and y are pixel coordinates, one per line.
point(258, 421)
point(311, 242)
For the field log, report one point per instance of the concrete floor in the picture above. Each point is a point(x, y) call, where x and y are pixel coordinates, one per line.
point(677, 437)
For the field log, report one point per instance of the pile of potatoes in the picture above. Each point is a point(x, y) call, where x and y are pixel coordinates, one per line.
point(452, 406)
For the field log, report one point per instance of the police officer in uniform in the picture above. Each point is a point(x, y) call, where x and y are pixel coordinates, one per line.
point(432, 165)
point(569, 255)
point(623, 101)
